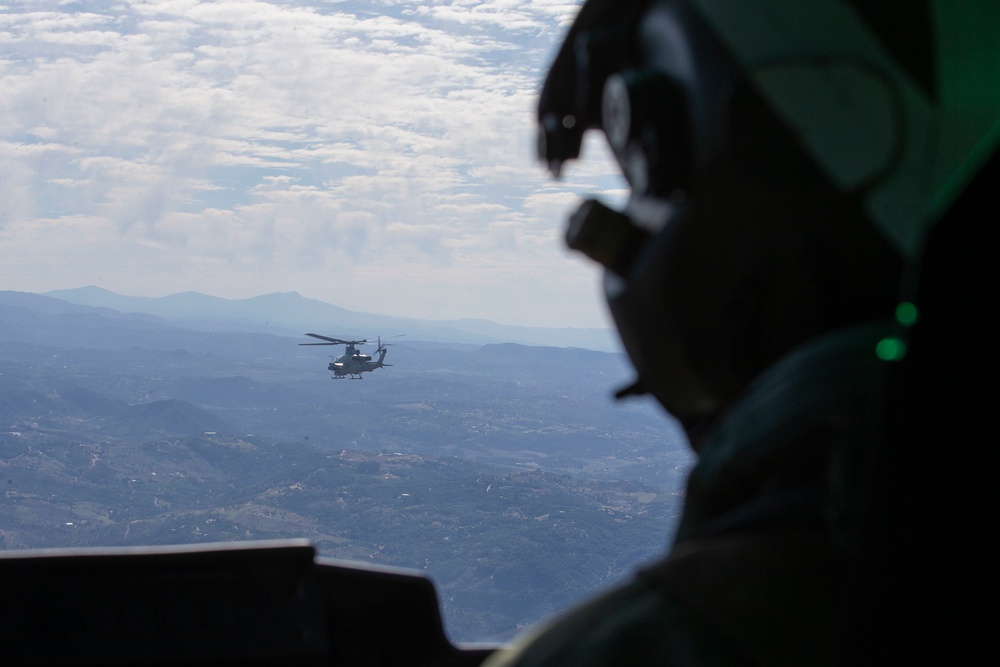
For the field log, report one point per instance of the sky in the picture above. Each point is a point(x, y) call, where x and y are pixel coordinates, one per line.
point(376, 155)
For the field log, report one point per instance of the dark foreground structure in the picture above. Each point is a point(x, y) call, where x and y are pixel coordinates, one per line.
point(263, 603)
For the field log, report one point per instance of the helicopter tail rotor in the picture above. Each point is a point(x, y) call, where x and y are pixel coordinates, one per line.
point(382, 346)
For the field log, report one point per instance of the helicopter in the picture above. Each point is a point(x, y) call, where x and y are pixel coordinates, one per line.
point(353, 362)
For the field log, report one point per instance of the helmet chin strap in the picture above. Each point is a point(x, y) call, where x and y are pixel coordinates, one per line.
point(860, 114)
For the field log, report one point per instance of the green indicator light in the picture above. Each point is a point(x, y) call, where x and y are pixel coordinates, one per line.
point(907, 313)
point(890, 349)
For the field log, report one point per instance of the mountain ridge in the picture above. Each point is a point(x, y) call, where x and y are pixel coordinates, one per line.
point(290, 313)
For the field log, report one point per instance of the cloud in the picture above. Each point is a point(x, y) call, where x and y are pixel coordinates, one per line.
point(243, 147)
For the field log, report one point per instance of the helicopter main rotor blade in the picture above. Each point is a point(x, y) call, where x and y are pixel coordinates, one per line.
point(334, 341)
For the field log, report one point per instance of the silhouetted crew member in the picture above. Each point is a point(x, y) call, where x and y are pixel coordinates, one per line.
point(786, 159)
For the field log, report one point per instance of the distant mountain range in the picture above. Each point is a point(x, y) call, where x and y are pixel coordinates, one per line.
point(502, 470)
point(289, 313)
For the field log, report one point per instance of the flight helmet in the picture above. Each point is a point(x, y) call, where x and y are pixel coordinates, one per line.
point(784, 159)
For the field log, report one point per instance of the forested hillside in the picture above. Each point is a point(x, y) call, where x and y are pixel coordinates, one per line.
point(504, 547)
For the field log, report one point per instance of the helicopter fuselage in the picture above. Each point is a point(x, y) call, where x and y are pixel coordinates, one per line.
point(353, 362)
point(353, 365)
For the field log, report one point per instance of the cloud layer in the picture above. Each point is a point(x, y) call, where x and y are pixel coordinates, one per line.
point(377, 155)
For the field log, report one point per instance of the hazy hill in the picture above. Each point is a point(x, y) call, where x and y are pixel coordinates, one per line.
point(290, 313)
point(44, 321)
point(84, 411)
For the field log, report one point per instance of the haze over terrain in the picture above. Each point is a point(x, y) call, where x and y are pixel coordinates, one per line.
point(502, 470)
point(290, 313)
